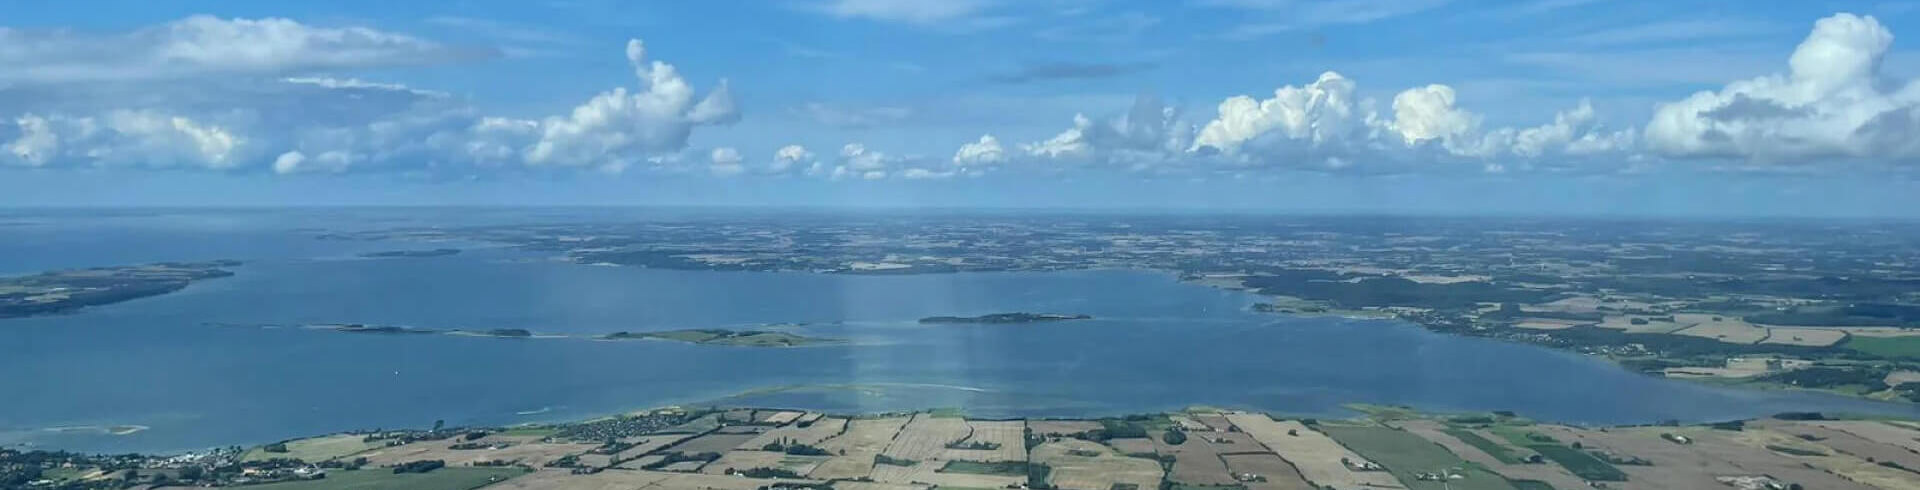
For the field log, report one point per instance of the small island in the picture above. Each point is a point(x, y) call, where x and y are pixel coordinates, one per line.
point(69, 290)
point(716, 336)
point(391, 254)
point(378, 329)
point(1003, 318)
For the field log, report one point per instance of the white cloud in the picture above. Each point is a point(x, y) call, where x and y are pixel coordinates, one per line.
point(320, 124)
point(124, 138)
point(1831, 103)
point(1319, 113)
point(788, 157)
point(726, 162)
point(201, 45)
point(857, 157)
point(986, 152)
point(618, 127)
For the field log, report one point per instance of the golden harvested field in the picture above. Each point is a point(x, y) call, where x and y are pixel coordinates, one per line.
point(1818, 337)
point(1846, 466)
point(856, 447)
point(556, 479)
point(647, 444)
point(1195, 462)
point(1280, 474)
point(317, 449)
point(1229, 442)
point(746, 460)
point(1131, 445)
point(927, 472)
point(810, 435)
point(1692, 466)
point(1878, 331)
point(713, 443)
point(1845, 442)
point(778, 418)
point(867, 485)
point(1316, 455)
point(1215, 421)
point(640, 463)
point(926, 436)
point(1061, 427)
point(1625, 322)
point(524, 450)
point(1727, 329)
point(1073, 469)
point(1008, 434)
point(1881, 432)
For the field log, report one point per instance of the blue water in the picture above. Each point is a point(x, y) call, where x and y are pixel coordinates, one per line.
point(169, 363)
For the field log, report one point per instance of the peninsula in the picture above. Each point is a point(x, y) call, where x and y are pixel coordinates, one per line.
point(69, 290)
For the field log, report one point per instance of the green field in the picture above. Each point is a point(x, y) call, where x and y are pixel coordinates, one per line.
point(1406, 455)
point(1531, 485)
point(1889, 347)
point(1500, 452)
point(1006, 468)
point(1580, 463)
point(382, 479)
point(317, 449)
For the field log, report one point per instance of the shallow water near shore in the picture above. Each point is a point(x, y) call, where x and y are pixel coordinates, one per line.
point(166, 364)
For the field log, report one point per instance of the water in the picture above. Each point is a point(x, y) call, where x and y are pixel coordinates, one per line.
point(167, 364)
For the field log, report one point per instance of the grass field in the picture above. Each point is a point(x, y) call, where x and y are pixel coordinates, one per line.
point(1498, 451)
point(1008, 468)
point(1407, 455)
point(1531, 485)
point(1891, 347)
point(381, 479)
point(1580, 463)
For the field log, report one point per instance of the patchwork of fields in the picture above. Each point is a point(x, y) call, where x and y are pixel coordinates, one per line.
point(1203, 450)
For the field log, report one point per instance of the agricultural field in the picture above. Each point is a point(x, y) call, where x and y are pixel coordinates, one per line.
point(1195, 462)
point(317, 449)
point(855, 448)
point(1900, 347)
point(1317, 456)
point(1267, 471)
point(713, 443)
point(811, 435)
point(1481, 449)
point(381, 479)
point(1084, 465)
point(647, 444)
point(990, 440)
point(1061, 427)
point(926, 437)
point(1709, 454)
point(518, 449)
point(1416, 462)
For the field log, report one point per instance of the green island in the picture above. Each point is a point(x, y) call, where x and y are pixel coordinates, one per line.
point(69, 290)
point(436, 252)
point(718, 336)
point(752, 448)
point(1004, 318)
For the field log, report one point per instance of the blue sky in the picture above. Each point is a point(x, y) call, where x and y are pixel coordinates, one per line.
point(1517, 107)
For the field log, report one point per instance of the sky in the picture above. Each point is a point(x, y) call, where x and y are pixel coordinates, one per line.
point(1684, 107)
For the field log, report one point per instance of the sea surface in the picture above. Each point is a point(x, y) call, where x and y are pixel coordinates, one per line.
point(221, 362)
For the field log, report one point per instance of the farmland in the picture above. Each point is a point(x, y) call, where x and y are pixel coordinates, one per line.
point(1388, 448)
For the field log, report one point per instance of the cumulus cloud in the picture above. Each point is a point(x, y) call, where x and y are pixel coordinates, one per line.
point(201, 45)
point(986, 152)
point(123, 138)
point(1831, 103)
point(1324, 125)
point(788, 157)
point(726, 162)
point(319, 124)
